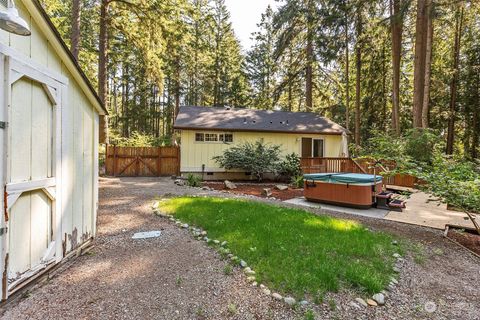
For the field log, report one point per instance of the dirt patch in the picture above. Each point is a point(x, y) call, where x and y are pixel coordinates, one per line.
point(257, 189)
point(467, 238)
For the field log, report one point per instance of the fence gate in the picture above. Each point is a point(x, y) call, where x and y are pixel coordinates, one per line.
point(142, 161)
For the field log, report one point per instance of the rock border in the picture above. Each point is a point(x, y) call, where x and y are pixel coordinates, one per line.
point(221, 247)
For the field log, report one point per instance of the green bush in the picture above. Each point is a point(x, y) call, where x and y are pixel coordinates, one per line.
point(193, 180)
point(297, 181)
point(420, 144)
point(290, 166)
point(258, 158)
point(137, 139)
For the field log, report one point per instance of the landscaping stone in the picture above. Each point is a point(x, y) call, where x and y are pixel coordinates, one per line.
point(203, 233)
point(281, 187)
point(267, 192)
point(395, 242)
point(216, 241)
point(243, 264)
point(372, 303)
point(224, 243)
point(361, 302)
point(266, 291)
point(179, 182)
point(251, 279)
point(394, 281)
point(290, 301)
point(303, 302)
point(396, 269)
point(254, 284)
point(262, 286)
point(277, 296)
point(354, 305)
point(185, 226)
point(397, 255)
point(379, 298)
point(230, 185)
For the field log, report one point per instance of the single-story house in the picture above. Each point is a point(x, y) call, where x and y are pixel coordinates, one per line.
point(206, 132)
point(49, 122)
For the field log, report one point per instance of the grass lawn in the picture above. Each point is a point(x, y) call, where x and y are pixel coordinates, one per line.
point(291, 250)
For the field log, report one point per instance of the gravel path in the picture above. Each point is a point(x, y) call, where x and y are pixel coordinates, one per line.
point(176, 277)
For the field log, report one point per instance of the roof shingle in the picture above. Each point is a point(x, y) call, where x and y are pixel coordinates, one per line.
point(240, 119)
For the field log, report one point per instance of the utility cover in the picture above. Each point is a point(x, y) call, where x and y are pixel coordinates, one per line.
point(146, 235)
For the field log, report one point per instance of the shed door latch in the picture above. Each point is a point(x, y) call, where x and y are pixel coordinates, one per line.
point(3, 125)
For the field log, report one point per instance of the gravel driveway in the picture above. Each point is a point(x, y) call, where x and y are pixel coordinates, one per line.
point(176, 277)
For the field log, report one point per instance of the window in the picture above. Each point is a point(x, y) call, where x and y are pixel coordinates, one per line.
point(211, 137)
point(199, 137)
point(226, 137)
point(317, 148)
point(312, 148)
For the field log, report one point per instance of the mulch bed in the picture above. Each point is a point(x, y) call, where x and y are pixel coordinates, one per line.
point(256, 190)
point(467, 238)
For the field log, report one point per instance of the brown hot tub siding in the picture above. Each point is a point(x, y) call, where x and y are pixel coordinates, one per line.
point(344, 194)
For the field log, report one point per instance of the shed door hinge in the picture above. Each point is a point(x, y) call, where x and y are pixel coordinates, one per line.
point(3, 231)
point(3, 125)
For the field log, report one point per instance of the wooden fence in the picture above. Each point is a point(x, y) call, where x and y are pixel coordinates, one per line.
point(334, 165)
point(142, 161)
point(337, 165)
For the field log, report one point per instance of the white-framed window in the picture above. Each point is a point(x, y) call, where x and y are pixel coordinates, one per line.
point(211, 137)
point(199, 137)
point(214, 137)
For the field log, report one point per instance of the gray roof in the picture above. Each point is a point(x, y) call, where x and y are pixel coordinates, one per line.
point(240, 119)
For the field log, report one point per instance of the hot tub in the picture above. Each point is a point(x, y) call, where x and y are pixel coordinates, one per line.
point(345, 189)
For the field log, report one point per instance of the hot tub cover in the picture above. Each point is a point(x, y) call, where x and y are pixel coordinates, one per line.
point(350, 178)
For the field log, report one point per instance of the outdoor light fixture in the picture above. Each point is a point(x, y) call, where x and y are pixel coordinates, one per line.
point(10, 21)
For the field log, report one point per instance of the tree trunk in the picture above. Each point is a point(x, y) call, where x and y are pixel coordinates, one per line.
point(102, 67)
point(475, 128)
point(419, 62)
point(358, 57)
point(309, 74)
point(347, 75)
point(397, 29)
point(453, 83)
point(428, 68)
point(75, 35)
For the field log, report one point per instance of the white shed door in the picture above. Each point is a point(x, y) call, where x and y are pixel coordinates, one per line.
point(31, 172)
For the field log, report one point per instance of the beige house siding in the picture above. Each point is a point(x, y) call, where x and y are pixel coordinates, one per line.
point(195, 154)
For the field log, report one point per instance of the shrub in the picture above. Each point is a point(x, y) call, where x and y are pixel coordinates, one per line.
point(297, 181)
point(193, 180)
point(138, 139)
point(420, 144)
point(258, 158)
point(290, 166)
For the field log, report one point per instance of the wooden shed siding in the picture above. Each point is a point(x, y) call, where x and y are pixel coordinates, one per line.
point(78, 127)
point(194, 154)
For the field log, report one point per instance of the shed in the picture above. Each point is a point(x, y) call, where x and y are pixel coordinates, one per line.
point(49, 122)
point(206, 132)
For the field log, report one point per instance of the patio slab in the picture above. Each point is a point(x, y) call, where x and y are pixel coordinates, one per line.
point(371, 213)
point(422, 210)
point(425, 210)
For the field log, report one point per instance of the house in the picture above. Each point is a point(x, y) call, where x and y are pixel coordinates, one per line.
point(49, 122)
point(206, 132)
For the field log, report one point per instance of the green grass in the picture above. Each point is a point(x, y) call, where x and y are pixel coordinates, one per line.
point(292, 250)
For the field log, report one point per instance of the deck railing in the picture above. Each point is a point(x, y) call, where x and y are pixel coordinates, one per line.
point(334, 165)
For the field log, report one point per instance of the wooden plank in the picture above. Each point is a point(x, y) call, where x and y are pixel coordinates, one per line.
point(19, 236)
point(20, 127)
